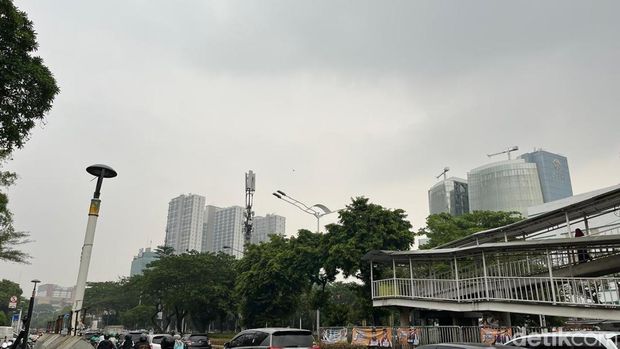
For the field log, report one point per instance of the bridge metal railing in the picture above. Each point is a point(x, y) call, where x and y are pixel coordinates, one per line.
point(562, 290)
point(430, 334)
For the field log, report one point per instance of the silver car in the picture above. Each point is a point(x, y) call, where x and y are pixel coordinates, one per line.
point(272, 338)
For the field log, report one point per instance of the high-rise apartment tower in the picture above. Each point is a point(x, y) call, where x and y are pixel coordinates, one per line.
point(271, 224)
point(185, 223)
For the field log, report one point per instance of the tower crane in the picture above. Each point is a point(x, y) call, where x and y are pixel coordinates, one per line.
point(507, 151)
point(445, 170)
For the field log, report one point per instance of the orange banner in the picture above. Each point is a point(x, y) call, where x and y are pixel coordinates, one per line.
point(495, 335)
point(372, 337)
point(410, 336)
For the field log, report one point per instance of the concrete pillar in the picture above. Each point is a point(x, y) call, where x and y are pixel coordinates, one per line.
point(404, 316)
point(505, 320)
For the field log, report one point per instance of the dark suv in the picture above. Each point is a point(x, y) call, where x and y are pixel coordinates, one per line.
point(272, 338)
point(197, 341)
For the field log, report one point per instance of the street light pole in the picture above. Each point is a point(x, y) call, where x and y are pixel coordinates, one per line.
point(318, 211)
point(22, 338)
point(101, 172)
point(232, 249)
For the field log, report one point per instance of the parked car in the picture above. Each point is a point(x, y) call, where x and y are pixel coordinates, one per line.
point(272, 338)
point(155, 339)
point(569, 340)
point(135, 335)
point(197, 341)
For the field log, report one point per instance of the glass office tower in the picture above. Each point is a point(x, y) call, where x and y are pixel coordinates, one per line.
point(553, 174)
point(449, 195)
point(510, 185)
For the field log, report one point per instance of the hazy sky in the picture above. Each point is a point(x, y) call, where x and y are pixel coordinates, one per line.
point(325, 100)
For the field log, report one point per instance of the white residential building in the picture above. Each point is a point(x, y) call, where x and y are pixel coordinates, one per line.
point(228, 231)
point(269, 225)
point(185, 223)
point(208, 229)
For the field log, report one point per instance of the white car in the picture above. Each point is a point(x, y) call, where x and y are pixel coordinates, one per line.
point(569, 340)
point(155, 339)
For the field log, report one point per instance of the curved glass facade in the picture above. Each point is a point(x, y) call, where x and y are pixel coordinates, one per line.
point(511, 185)
point(449, 195)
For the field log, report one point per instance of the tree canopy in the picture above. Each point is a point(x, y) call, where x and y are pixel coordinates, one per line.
point(26, 95)
point(28, 87)
point(442, 228)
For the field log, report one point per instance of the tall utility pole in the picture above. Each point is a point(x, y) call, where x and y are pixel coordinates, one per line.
point(250, 187)
point(507, 151)
point(100, 172)
point(22, 339)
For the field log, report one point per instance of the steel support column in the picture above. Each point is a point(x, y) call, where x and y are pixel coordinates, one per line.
point(456, 276)
point(411, 277)
point(372, 282)
point(551, 282)
point(394, 273)
point(486, 279)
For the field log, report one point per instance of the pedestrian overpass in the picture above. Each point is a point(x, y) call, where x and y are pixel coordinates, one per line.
point(512, 268)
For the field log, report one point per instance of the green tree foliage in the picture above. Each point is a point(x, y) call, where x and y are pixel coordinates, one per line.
point(109, 299)
point(137, 317)
point(199, 284)
point(9, 237)
point(164, 251)
point(4, 320)
point(26, 95)
point(442, 228)
point(28, 87)
point(269, 283)
point(8, 288)
point(343, 307)
point(362, 227)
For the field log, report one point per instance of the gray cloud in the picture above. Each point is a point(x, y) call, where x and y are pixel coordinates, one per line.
point(323, 99)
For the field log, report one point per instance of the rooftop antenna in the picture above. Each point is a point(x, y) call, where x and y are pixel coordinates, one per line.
point(507, 151)
point(445, 170)
point(250, 187)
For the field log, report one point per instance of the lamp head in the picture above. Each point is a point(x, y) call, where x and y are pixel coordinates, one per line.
point(99, 170)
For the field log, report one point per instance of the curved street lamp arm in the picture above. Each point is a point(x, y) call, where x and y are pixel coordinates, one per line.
point(300, 206)
point(307, 208)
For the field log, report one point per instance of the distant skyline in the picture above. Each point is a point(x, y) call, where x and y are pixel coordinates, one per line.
point(325, 100)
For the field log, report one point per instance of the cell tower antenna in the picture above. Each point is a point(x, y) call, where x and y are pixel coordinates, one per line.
point(445, 170)
point(507, 151)
point(250, 187)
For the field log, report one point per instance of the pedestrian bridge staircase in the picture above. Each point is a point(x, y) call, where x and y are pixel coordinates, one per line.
point(516, 268)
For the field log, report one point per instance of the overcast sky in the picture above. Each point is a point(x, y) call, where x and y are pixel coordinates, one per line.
point(325, 100)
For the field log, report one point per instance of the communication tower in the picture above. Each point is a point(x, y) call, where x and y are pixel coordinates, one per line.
point(250, 187)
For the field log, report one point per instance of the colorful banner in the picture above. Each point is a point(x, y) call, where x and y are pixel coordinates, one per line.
point(408, 336)
point(334, 335)
point(495, 335)
point(372, 337)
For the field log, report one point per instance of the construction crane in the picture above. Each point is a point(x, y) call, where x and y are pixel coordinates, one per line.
point(445, 170)
point(507, 151)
